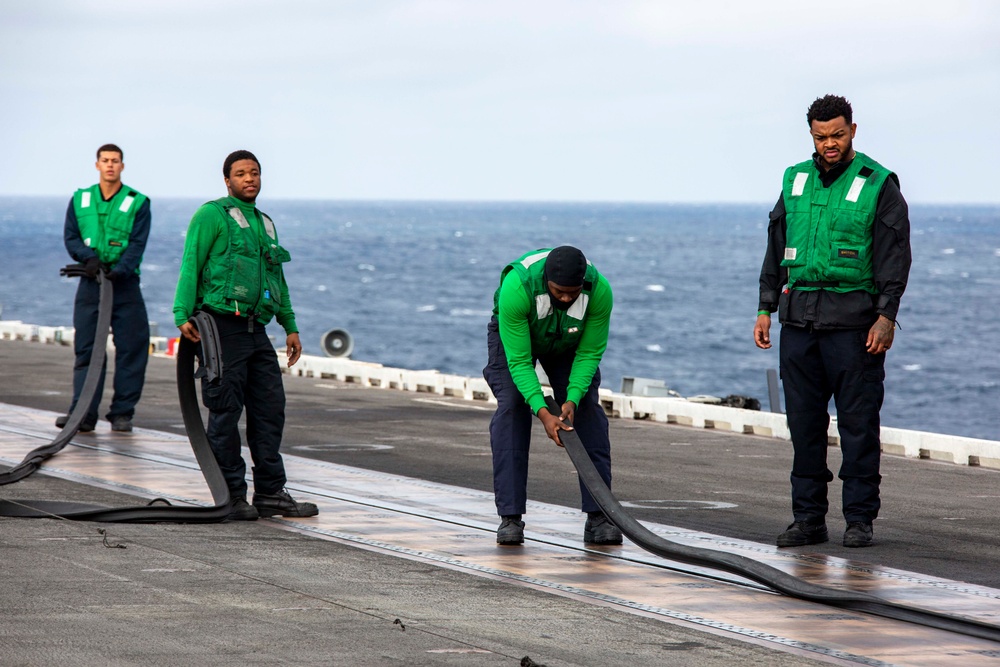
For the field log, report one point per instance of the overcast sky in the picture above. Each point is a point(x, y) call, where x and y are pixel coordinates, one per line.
point(540, 100)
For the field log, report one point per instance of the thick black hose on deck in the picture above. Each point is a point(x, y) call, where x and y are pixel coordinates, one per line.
point(211, 369)
point(773, 578)
point(35, 457)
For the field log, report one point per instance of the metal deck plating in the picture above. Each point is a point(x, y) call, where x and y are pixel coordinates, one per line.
point(454, 527)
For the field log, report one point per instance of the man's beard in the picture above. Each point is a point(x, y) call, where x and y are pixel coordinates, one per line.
point(561, 305)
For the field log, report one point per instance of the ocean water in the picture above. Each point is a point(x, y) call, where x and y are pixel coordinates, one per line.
point(413, 283)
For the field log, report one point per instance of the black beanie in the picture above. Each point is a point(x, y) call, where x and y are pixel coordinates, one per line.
point(566, 266)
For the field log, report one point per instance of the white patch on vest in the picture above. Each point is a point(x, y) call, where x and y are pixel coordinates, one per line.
point(579, 307)
point(543, 307)
point(126, 204)
point(799, 186)
point(84, 200)
point(572, 329)
point(531, 259)
point(86, 242)
point(237, 215)
point(790, 253)
point(269, 227)
point(852, 194)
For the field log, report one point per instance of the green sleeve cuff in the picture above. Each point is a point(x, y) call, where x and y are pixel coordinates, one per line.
point(764, 312)
point(536, 403)
point(574, 395)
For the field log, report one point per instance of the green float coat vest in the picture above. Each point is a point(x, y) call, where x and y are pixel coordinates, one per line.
point(552, 330)
point(248, 278)
point(829, 230)
point(106, 226)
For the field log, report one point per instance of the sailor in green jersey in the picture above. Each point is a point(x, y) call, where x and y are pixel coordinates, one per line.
point(106, 229)
point(232, 269)
point(553, 307)
point(836, 266)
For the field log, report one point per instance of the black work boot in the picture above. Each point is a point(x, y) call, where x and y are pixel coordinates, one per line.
point(282, 504)
point(511, 530)
point(599, 530)
point(241, 510)
point(801, 533)
point(858, 534)
point(86, 426)
point(121, 424)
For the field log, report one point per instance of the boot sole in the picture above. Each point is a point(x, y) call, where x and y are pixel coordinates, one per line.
point(85, 427)
point(267, 513)
point(510, 539)
point(859, 545)
point(588, 538)
point(803, 543)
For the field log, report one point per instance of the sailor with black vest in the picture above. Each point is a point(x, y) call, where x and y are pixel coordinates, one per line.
point(836, 266)
point(232, 268)
point(554, 307)
point(106, 229)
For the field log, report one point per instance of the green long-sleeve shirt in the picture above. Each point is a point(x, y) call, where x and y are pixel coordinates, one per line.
point(207, 245)
point(522, 348)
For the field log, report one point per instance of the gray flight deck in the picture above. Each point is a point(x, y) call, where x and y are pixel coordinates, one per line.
point(248, 593)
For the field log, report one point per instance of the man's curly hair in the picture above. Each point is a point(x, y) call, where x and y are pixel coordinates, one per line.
point(829, 107)
point(236, 156)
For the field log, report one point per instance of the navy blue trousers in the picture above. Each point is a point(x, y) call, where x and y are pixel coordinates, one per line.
point(130, 326)
point(510, 428)
point(815, 365)
point(251, 378)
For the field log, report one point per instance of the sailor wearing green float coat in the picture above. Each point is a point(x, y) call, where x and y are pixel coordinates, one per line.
point(552, 306)
point(232, 270)
point(106, 229)
point(836, 266)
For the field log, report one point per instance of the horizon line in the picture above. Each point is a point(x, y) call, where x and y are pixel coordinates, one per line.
point(613, 202)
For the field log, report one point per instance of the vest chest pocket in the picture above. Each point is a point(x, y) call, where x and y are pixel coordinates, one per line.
point(849, 247)
point(244, 282)
point(849, 225)
point(848, 262)
point(275, 257)
point(273, 291)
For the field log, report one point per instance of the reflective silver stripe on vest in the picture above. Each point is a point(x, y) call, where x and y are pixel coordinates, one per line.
point(579, 307)
point(531, 259)
point(543, 306)
point(799, 186)
point(852, 194)
point(241, 220)
point(269, 227)
point(84, 199)
point(126, 204)
point(237, 215)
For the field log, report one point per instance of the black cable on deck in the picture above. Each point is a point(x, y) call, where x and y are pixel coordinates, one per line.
point(211, 369)
point(773, 578)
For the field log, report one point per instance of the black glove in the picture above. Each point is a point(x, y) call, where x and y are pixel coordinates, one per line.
point(88, 269)
point(92, 267)
point(72, 271)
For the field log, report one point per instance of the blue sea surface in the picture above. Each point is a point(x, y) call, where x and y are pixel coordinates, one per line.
point(413, 282)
